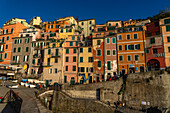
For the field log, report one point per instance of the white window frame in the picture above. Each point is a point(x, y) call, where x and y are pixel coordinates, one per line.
point(110, 64)
point(112, 40)
point(127, 35)
point(96, 52)
point(119, 57)
point(112, 52)
point(118, 37)
point(134, 34)
point(109, 40)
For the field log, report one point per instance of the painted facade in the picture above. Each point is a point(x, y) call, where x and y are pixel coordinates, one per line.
point(154, 47)
point(36, 21)
point(131, 44)
point(10, 30)
point(165, 30)
point(87, 26)
point(130, 22)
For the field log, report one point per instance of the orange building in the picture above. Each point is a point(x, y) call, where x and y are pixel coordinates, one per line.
point(131, 49)
point(10, 30)
point(165, 30)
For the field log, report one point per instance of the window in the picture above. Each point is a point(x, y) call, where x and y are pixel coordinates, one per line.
point(120, 47)
point(98, 42)
point(38, 63)
point(90, 22)
point(108, 40)
point(20, 40)
point(12, 59)
point(89, 28)
point(66, 68)
point(74, 59)
point(61, 31)
point(81, 50)
point(77, 43)
point(116, 24)
point(108, 52)
point(113, 40)
point(109, 24)
point(168, 39)
point(27, 49)
point(27, 57)
point(49, 51)
point(137, 46)
point(167, 28)
point(67, 51)
point(14, 42)
point(125, 47)
point(67, 59)
point(81, 69)
point(42, 35)
point(120, 58)
point(108, 65)
point(55, 70)
point(5, 56)
point(50, 71)
point(71, 43)
point(53, 45)
point(131, 47)
point(19, 49)
point(167, 21)
point(147, 51)
point(119, 37)
point(56, 60)
point(7, 38)
point(135, 36)
point(136, 57)
point(113, 52)
point(98, 52)
point(66, 30)
point(12, 30)
point(89, 49)
point(128, 36)
point(74, 51)
point(81, 59)
point(98, 63)
point(14, 50)
point(56, 52)
point(73, 37)
point(155, 51)
point(33, 61)
point(156, 24)
point(6, 46)
point(152, 40)
point(90, 59)
point(82, 23)
point(129, 58)
point(74, 68)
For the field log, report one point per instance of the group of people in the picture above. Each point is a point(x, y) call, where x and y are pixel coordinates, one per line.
point(118, 104)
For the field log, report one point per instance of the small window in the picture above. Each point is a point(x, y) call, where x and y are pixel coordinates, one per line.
point(155, 51)
point(54, 45)
point(6, 46)
point(89, 49)
point(7, 38)
point(147, 51)
point(19, 49)
point(98, 63)
point(114, 52)
point(49, 51)
point(81, 59)
point(108, 65)
point(108, 40)
point(33, 61)
point(129, 58)
point(71, 43)
point(90, 59)
point(14, 50)
point(74, 68)
point(15, 41)
point(135, 36)
point(66, 68)
point(119, 37)
point(108, 52)
point(75, 51)
point(27, 48)
point(98, 52)
point(74, 59)
point(113, 40)
point(120, 58)
point(168, 39)
point(82, 23)
point(55, 70)
point(67, 51)
point(73, 37)
point(81, 50)
point(128, 36)
point(67, 59)
point(56, 60)
point(98, 42)
point(5, 56)
point(136, 57)
point(77, 43)
point(120, 47)
point(90, 22)
point(167, 28)
point(12, 30)
point(152, 40)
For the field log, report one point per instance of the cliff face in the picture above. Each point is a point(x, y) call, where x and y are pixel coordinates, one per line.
point(148, 89)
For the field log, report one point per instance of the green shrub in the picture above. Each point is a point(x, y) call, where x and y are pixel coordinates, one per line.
point(162, 71)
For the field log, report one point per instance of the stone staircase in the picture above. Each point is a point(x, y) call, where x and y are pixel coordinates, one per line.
point(42, 108)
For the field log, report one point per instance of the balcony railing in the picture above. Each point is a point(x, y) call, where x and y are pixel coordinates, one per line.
point(36, 55)
point(158, 55)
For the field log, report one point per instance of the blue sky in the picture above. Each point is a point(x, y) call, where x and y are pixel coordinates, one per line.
point(102, 10)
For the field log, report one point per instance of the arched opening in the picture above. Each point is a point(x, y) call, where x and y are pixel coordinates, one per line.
point(153, 65)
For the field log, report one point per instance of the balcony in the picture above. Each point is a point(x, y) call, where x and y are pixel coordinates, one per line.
point(38, 47)
point(36, 55)
point(1, 60)
point(130, 29)
point(158, 55)
point(2, 42)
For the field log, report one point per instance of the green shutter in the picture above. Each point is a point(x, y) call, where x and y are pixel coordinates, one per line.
point(113, 40)
point(135, 36)
point(71, 43)
point(81, 59)
point(49, 51)
point(98, 42)
point(33, 61)
point(108, 40)
point(125, 47)
point(67, 51)
point(74, 51)
point(56, 52)
point(168, 39)
point(167, 21)
point(167, 28)
point(73, 37)
point(114, 52)
point(74, 59)
point(108, 65)
point(74, 68)
point(98, 63)
point(67, 59)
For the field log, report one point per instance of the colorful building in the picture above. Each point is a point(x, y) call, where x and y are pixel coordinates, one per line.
point(165, 30)
point(10, 29)
point(36, 21)
point(85, 64)
point(131, 44)
point(130, 22)
point(71, 58)
point(87, 26)
point(154, 47)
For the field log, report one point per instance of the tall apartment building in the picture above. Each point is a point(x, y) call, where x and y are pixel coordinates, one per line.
point(131, 44)
point(154, 47)
point(36, 21)
point(87, 26)
point(10, 29)
point(165, 30)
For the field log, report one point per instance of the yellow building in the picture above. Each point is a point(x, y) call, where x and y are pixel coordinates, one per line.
point(15, 20)
point(85, 65)
point(36, 21)
point(131, 49)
